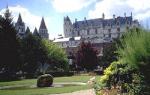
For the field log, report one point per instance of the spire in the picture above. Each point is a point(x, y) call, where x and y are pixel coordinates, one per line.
point(35, 33)
point(7, 13)
point(19, 19)
point(67, 18)
point(43, 26)
point(27, 30)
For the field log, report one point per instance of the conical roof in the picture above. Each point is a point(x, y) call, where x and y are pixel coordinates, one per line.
point(19, 21)
point(27, 30)
point(43, 26)
point(35, 33)
point(19, 18)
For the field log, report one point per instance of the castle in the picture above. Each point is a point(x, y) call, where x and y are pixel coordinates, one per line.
point(98, 31)
point(21, 31)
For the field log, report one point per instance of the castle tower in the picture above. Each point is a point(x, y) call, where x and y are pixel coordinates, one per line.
point(43, 32)
point(67, 27)
point(20, 27)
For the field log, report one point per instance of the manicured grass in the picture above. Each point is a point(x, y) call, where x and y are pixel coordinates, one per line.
point(47, 90)
point(43, 91)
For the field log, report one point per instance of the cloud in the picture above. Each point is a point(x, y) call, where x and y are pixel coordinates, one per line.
point(140, 8)
point(70, 5)
point(30, 19)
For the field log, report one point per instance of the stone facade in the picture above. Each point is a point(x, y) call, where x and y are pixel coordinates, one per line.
point(98, 31)
point(21, 32)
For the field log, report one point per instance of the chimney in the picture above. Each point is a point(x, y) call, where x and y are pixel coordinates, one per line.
point(124, 14)
point(103, 16)
point(75, 19)
point(84, 18)
point(113, 16)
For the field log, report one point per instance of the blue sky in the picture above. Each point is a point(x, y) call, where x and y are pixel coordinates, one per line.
point(54, 11)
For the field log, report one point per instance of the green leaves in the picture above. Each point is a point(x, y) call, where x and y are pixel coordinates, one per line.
point(56, 55)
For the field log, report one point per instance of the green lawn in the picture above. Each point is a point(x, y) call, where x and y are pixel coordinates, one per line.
point(45, 91)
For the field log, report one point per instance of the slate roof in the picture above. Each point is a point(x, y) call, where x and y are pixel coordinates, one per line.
point(19, 21)
point(35, 33)
point(103, 22)
point(43, 26)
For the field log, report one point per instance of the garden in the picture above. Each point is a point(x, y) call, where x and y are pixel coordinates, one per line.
point(129, 74)
point(62, 85)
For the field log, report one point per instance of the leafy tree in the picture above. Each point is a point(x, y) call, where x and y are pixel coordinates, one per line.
point(9, 45)
point(57, 57)
point(87, 56)
point(131, 71)
point(33, 53)
point(109, 54)
point(135, 51)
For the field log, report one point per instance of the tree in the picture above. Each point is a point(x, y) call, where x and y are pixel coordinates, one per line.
point(33, 53)
point(109, 54)
point(87, 56)
point(9, 45)
point(57, 57)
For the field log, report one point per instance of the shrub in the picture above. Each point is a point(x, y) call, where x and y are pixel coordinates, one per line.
point(131, 72)
point(45, 80)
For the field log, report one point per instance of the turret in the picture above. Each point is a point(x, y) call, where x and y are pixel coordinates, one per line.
point(20, 27)
point(43, 32)
point(67, 27)
point(35, 33)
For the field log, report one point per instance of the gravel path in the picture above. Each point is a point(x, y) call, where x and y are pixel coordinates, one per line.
point(82, 92)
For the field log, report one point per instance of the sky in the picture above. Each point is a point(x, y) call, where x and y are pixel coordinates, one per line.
point(54, 11)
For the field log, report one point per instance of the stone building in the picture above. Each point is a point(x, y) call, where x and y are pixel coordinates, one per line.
point(98, 31)
point(21, 30)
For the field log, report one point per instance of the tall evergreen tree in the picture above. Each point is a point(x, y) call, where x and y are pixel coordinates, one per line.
point(9, 44)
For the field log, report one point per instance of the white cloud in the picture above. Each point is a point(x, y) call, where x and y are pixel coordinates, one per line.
point(30, 19)
point(70, 5)
point(140, 8)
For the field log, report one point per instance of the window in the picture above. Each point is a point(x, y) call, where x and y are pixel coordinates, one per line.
point(118, 29)
point(109, 33)
point(95, 31)
point(78, 33)
point(88, 32)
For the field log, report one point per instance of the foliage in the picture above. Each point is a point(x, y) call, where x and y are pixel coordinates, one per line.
point(56, 56)
point(131, 71)
point(135, 51)
point(9, 45)
point(45, 80)
point(87, 56)
point(33, 53)
point(109, 54)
